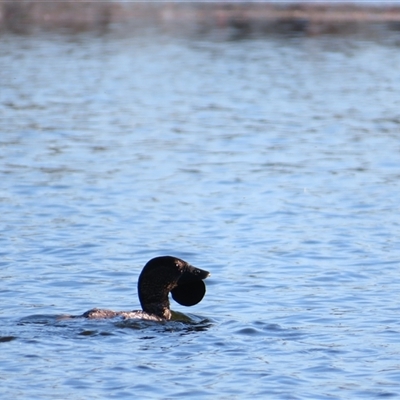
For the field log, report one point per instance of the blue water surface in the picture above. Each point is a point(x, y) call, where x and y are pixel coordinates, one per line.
point(271, 161)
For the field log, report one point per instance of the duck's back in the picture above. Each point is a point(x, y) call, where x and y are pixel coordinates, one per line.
point(96, 313)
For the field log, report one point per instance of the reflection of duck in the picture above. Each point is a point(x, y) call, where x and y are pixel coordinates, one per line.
point(159, 277)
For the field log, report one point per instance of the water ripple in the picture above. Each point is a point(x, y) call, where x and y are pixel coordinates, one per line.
point(271, 162)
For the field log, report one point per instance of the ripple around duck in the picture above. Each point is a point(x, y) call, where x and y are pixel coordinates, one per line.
point(75, 327)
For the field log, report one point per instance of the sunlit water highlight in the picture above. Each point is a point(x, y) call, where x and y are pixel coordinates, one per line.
point(272, 162)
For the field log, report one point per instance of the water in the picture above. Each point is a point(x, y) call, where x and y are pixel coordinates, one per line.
point(271, 161)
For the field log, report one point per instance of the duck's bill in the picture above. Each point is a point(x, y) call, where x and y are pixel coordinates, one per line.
point(191, 288)
point(193, 274)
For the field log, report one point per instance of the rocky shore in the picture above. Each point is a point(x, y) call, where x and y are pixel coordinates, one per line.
point(310, 18)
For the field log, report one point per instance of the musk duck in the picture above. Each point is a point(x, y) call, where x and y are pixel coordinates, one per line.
point(159, 277)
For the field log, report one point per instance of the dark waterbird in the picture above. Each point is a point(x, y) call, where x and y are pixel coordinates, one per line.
point(159, 277)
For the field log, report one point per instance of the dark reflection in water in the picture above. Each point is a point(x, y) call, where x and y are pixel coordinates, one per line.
point(4, 339)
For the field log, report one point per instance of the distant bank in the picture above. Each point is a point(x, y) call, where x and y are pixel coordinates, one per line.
point(310, 18)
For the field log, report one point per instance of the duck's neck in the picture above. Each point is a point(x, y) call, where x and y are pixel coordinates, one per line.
point(161, 309)
point(153, 294)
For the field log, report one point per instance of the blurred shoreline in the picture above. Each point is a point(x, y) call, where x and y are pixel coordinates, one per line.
point(23, 16)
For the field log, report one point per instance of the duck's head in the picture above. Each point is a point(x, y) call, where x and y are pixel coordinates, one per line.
point(164, 275)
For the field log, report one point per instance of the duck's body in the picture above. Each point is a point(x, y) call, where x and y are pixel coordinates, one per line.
point(159, 277)
point(97, 313)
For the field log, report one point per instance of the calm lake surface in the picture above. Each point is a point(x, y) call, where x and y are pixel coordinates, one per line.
point(272, 161)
